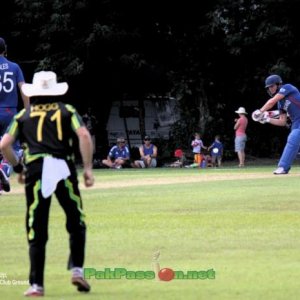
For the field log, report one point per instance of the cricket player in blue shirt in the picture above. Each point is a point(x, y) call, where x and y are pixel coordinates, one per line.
point(287, 98)
point(11, 79)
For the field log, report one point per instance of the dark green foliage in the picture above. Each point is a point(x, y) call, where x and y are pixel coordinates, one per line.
point(213, 58)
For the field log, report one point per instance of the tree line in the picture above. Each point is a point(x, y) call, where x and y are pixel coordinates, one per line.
point(213, 59)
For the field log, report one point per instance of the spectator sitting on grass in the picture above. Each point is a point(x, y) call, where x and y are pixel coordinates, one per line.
point(148, 153)
point(118, 156)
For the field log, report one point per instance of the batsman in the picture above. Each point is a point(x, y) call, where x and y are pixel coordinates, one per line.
point(287, 98)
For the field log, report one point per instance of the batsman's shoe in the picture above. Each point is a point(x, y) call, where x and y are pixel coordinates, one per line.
point(35, 291)
point(4, 181)
point(280, 171)
point(81, 283)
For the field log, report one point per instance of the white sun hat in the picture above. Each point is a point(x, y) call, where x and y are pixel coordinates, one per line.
point(241, 110)
point(44, 83)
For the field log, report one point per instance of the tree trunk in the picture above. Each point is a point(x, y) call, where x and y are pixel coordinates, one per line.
point(202, 101)
point(142, 118)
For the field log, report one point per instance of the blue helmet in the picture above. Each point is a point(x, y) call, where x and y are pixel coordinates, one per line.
point(272, 79)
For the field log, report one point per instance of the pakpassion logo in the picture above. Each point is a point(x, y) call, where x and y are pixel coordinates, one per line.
point(164, 274)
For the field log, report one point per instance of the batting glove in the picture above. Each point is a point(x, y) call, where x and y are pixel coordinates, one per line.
point(265, 119)
point(257, 115)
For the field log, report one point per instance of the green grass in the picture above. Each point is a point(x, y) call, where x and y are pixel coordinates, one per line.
point(246, 229)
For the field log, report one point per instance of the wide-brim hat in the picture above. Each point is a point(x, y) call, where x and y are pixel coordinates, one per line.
point(241, 110)
point(44, 83)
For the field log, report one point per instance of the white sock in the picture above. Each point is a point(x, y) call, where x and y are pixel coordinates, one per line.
point(36, 286)
point(77, 271)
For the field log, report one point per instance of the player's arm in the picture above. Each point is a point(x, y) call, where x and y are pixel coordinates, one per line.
point(85, 145)
point(7, 149)
point(271, 102)
point(8, 139)
point(86, 151)
point(25, 99)
point(282, 121)
point(8, 152)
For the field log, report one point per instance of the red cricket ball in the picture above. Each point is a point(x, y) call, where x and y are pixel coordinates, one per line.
point(166, 274)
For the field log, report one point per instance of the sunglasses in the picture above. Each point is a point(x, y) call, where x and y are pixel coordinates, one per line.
point(147, 140)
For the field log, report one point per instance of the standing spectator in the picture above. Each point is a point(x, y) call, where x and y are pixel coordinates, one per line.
point(287, 98)
point(118, 155)
point(47, 129)
point(197, 145)
point(91, 123)
point(216, 152)
point(240, 135)
point(11, 79)
point(148, 153)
